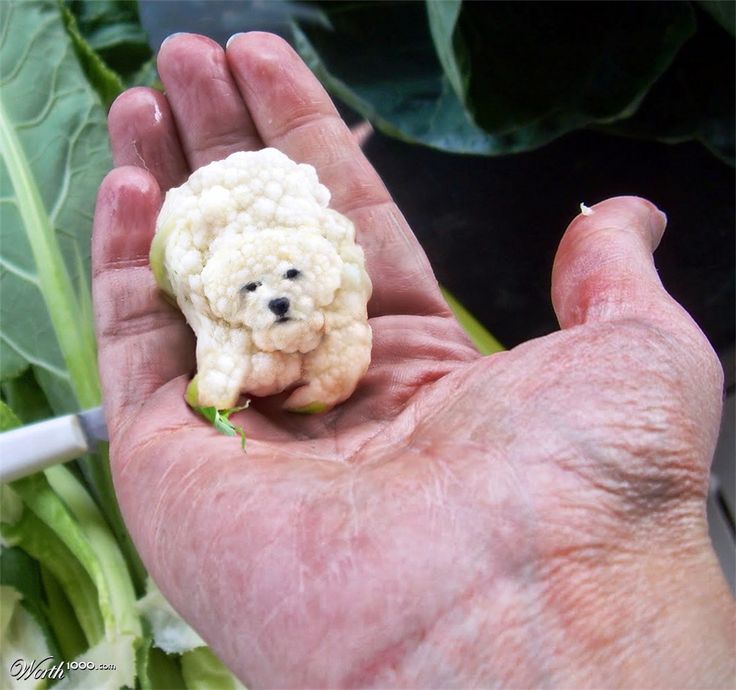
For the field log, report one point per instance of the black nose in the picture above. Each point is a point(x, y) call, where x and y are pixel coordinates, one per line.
point(279, 306)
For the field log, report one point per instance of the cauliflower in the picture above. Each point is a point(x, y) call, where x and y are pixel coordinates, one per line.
point(270, 280)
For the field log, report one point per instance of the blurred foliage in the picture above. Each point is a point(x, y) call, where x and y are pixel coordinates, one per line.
point(70, 576)
point(111, 45)
point(113, 31)
point(495, 78)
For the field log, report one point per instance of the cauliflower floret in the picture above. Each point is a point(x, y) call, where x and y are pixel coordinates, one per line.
point(270, 280)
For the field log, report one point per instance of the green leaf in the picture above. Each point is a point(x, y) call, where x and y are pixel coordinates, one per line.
point(479, 334)
point(19, 570)
point(60, 502)
point(63, 529)
point(202, 670)
point(26, 398)
point(39, 541)
point(560, 66)
point(723, 11)
point(8, 418)
point(451, 51)
point(220, 419)
point(20, 638)
point(96, 472)
point(12, 363)
point(9, 597)
point(380, 60)
point(11, 507)
point(535, 70)
point(146, 75)
point(115, 589)
point(113, 31)
point(156, 669)
point(169, 631)
point(62, 619)
point(54, 155)
point(694, 99)
point(106, 82)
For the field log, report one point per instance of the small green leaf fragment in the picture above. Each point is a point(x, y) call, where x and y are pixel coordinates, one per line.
point(8, 418)
point(476, 331)
point(209, 413)
point(312, 408)
point(106, 82)
point(225, 426)
point(191, 395)
point(202, 670)
point(220, 419)
point(157, 256)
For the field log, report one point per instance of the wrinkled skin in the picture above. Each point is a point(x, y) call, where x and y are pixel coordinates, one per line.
point(531, 519)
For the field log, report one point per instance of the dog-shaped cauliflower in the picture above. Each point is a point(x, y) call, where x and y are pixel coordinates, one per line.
point(270, 280)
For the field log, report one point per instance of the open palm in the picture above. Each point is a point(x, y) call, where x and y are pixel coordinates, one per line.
point(460, 521)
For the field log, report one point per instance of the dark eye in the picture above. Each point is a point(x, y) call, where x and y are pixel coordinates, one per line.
point(292, 273)
point(249, 287)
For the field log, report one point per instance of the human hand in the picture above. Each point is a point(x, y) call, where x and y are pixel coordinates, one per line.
point(531, 518)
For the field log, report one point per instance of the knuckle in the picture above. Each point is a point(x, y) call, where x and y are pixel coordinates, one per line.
point(318, 127)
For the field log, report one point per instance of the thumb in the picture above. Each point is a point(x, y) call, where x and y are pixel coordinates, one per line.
point(604, 272)
point(604, 268)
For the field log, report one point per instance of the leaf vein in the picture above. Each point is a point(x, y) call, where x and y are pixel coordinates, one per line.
point(66, 180)
point(22, 60)
point(10, 267)
point(32, 359)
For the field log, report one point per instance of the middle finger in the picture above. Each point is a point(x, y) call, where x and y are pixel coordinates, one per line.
point(211, 117)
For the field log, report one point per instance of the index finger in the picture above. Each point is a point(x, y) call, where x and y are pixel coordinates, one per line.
point(294, 114)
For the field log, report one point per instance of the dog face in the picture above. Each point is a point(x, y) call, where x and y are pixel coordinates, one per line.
point(276, 283)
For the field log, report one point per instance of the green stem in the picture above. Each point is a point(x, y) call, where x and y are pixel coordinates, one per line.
point(115, 588)
point(476, 331)
point(75, 340)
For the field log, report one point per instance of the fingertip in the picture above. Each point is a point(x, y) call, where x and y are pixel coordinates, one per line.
point(129, 181)
point(179, 44)
point(233, 38)
point(626, 212)
point(263, 61)
point(143, 134)
point(180, 52)
point(132, 100)
point(135, 110)
point(259, 44)
point(256, 59)
point(604, 267)
point(211, 118)
point(171, 37)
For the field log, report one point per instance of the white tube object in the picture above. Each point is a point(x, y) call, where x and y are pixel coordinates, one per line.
point(35, 447)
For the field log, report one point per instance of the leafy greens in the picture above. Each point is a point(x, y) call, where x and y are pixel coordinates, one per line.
point(70, 578)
